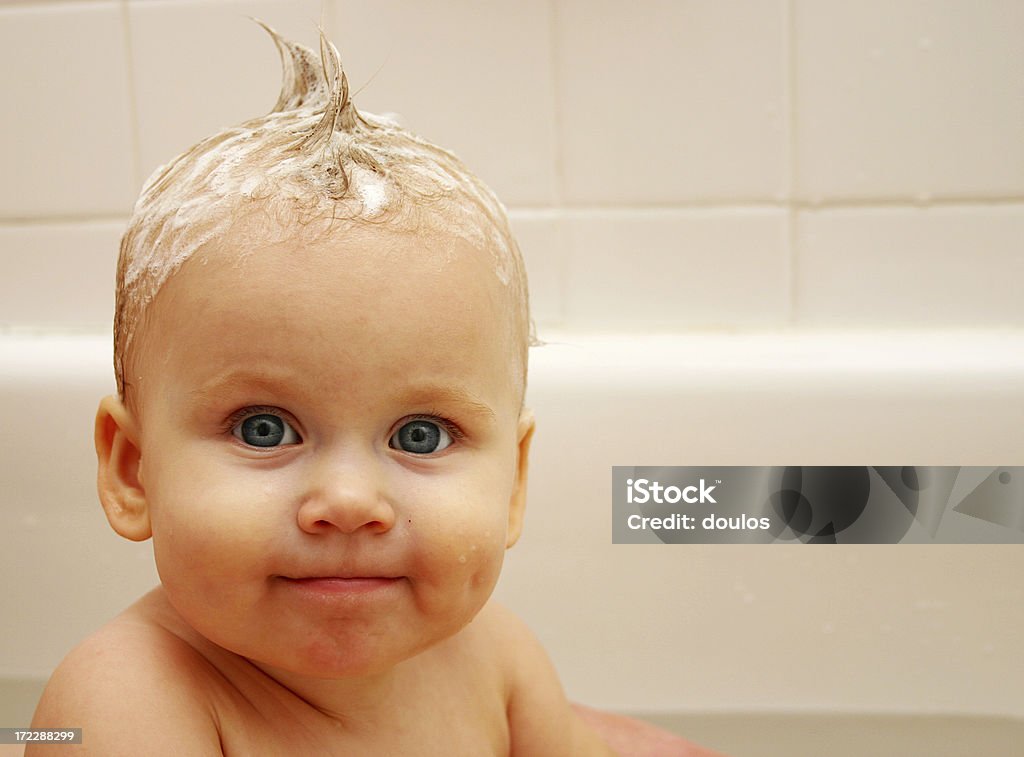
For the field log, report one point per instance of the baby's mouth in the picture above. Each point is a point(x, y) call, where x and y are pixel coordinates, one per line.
point(341, 585)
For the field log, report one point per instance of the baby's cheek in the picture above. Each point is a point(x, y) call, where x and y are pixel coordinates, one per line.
point(458, 555)
point(201, 524)
point(191, 555)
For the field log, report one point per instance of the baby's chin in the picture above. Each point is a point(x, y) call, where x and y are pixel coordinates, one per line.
point(353, 651)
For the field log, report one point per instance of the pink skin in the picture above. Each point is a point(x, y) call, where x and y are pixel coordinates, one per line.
point(334, 558)
point(335, 554)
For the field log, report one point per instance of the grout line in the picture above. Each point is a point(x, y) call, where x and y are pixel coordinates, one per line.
point(624, 209)
point(49, 4)
point(792, 220)
point(564, 270)
point(14, 221)
point(558, 189)
point(133, 107)
point(792, 95)
point(909, 202)
point(763, 205)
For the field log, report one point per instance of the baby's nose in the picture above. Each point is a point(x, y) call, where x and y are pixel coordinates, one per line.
point(346, 494)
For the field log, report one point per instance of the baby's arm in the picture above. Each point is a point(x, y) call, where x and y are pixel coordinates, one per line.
point(542, 722)
point(128, 699)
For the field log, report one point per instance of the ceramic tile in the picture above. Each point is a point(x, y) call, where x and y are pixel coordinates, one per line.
point(901, 268)
point(59, 275)
point(202, 66)
point(665, 270)
point(916, 99)
point(65, 131)
point(679, 102)
point(473, 77)
point(542, 241)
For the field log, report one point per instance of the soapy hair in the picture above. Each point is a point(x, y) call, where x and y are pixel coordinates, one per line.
point(313, 157)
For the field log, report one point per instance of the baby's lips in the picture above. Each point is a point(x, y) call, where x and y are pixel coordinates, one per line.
point(348, 587)
point(340, 575)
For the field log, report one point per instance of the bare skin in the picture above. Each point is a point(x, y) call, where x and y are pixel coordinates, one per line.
point(186, 695)
point(329, 450)
point(205, 700)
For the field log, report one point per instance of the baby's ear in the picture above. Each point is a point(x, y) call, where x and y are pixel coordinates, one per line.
point(517, 505)
point(118, 480)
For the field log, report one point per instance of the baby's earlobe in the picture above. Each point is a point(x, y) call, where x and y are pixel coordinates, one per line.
point(119, 474)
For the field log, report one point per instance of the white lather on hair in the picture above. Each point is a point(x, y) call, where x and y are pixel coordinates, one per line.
point(314, 157)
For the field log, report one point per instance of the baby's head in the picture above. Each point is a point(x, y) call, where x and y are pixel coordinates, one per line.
point(320, 346)
point(314, 167)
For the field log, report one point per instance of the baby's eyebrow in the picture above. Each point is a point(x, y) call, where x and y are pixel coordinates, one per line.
point(210, 389)
point(449, 395)
point(420, 394)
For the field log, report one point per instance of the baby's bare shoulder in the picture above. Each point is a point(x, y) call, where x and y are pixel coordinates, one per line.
point(134, 688)
point(497, 626)
point(540, 718)
point(543, 722)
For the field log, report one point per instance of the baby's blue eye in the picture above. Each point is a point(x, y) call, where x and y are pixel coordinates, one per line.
point(265, 430)
point(420, 437)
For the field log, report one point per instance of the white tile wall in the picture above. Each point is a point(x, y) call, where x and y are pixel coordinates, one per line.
point(201, 66)
point(945, 266)
point(777, 155)
point(668, 102)
point(65, 121)
point(658, 269)
point(909, 99)
point(473, 76)
point(59, 275)
point(543, 240)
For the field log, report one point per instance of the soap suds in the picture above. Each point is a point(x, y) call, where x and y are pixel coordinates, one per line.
point(313, 157)
point(372, 191)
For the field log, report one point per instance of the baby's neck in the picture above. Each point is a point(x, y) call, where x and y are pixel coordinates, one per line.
point(357, 703)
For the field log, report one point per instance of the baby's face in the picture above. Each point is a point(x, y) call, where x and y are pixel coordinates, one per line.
point(330, 446)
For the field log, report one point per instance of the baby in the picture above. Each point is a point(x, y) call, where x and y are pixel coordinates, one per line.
point(321, 349)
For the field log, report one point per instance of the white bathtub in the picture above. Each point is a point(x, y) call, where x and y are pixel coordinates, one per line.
point(756, 651)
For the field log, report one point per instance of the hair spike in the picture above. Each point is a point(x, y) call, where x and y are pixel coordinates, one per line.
point(303, 82)
point(313, 158)
point(337, 100)
point(340, 115)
